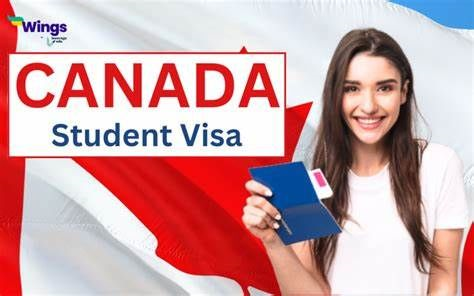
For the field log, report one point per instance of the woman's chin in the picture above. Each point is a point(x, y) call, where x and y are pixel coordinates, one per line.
point(369, 139)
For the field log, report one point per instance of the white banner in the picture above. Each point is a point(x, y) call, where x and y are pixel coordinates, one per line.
point(155, 104)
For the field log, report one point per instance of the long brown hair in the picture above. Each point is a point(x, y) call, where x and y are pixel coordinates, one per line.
point(334, 155)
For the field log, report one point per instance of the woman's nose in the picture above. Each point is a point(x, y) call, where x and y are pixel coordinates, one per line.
point(369, 103)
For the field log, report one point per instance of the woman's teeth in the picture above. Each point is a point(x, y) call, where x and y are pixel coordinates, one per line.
point(369, 120)
point(369, 123)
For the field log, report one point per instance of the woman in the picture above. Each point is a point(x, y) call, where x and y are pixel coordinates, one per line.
point(400, 200)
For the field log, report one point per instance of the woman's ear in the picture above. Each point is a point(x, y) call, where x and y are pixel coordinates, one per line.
point(405, 91)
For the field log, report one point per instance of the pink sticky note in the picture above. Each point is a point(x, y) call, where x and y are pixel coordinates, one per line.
point(320, 179)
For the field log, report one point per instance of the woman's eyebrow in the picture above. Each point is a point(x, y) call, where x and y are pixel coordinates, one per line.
point(391, 80)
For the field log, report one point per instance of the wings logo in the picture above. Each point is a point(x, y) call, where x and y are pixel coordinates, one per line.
point(15, 20)
point(54, 29)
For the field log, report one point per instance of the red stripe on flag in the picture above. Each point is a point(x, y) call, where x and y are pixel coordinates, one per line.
point(467, 275)
point(193, 205)
point(11, 171)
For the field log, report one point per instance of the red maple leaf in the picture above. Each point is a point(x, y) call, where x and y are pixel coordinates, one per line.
point(193, 205)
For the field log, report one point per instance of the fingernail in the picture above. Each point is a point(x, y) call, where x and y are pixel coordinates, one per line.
point(276, 226)
point(268, 193)
point(278, 217)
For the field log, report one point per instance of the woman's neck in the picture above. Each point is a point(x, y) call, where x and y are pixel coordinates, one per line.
point(368, 160)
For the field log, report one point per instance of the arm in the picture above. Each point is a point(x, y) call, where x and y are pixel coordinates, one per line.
point(443, 281)
point(293, 265)
point(295, 270)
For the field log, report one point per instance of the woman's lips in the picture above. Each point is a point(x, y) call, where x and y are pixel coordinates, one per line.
point(369, 123)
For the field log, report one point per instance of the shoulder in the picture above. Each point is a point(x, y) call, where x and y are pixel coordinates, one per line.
point(442, 185)
point(439, 164)
point(437, 157)
point(440, 167)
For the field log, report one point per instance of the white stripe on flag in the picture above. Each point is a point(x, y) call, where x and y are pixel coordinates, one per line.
point(77, 237)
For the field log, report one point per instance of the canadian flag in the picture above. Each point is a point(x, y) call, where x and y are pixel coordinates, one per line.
point(172, 225)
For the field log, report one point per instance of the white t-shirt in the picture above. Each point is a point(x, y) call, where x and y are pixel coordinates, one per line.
point(377, 256)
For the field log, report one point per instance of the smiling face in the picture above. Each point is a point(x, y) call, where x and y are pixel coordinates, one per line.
point(372, 97)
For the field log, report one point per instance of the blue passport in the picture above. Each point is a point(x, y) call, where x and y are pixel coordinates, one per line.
point(304, 216)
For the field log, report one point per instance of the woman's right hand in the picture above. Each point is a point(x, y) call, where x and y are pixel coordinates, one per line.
point(260, 216)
